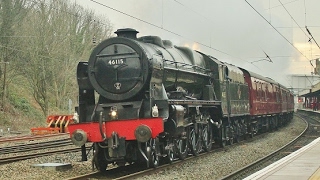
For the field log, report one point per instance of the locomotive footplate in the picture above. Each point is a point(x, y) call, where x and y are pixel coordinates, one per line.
point(87, 132)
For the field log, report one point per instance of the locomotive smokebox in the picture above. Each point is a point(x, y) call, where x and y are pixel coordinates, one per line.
point(127, 32)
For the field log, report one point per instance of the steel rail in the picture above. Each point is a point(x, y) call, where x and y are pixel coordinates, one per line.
point(28, 137)
point(35, 155)
point(236, 174)
point(35, 146)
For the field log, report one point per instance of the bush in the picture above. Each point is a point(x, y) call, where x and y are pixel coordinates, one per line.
point(20, 103)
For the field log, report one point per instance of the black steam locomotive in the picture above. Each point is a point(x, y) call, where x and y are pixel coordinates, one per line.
point(145, 100)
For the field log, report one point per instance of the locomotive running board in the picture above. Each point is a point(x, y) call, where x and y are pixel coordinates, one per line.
point(195, 102)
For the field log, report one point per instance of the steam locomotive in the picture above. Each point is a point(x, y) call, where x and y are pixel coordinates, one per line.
point(144, 100)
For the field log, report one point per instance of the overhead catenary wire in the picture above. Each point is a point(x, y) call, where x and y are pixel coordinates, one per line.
point(160, 27)
point(177, 34)
point(292, 18)
point(199, 14)
point(299, 25)
point(67, 12)
point(69, 35)
point(276, 29)
point(27, 52)
point(312, 37)
point(193, 10)
point(76, 15)
point(279, 27)
point(284, 4)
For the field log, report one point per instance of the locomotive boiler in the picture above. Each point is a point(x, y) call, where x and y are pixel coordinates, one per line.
point(145, 100)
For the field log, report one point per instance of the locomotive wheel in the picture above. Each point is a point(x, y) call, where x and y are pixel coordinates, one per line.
point(170, 156)
point(153, 155)
point(207, 137)
point(236, 133)
point(101, 165)
point(251, 135)
point(222, 141)
point(230, 133)
point(276, 124)
point(169, 152)
point(245, 137)
point(253, 130)
point(194, 142)
point(182, 148)
point(99, 160)
point(236, 138)
point(244, 130)
point(230, 141)
point(154, 159)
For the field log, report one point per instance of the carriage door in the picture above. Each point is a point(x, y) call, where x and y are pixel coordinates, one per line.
point(225, 90)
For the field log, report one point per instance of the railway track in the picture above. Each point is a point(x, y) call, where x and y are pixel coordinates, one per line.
point(28, 137)
point(35, 146)
point(35, 155)
point(308, 135)
point(135, 171)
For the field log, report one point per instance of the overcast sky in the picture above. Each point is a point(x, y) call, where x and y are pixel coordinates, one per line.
point(230, 30)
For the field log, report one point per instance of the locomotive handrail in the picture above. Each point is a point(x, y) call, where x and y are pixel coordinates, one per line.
point(106, 55)
point(194, 102)
point(129, 79)
point(185, 64)
point(190, 72)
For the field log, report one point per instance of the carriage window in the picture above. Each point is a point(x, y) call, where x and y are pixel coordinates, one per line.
point(266, 93)
point(221, 73)
point(258, 94)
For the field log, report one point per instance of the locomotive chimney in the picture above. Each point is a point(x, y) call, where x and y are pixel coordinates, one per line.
point(127, 32)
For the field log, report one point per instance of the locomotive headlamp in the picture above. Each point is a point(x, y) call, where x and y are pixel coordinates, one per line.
point(79, 137)
point(113, 112)
point(155, 111)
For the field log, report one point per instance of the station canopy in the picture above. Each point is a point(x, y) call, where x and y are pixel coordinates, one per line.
point(314, 92)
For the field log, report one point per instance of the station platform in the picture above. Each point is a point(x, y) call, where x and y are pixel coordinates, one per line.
point(309, 110)
point(303, 164)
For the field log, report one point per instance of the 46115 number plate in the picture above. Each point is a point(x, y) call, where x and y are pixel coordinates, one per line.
point(119, 61)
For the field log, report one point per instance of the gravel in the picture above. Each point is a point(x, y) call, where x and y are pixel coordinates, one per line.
point(215, 166)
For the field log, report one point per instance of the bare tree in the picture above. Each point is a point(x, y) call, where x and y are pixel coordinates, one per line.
point(61, 36)
point(12, 13)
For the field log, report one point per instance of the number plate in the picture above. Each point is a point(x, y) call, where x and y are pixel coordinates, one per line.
point(118, 61)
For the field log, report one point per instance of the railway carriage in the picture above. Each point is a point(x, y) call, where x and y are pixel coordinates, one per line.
point(268, 102)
